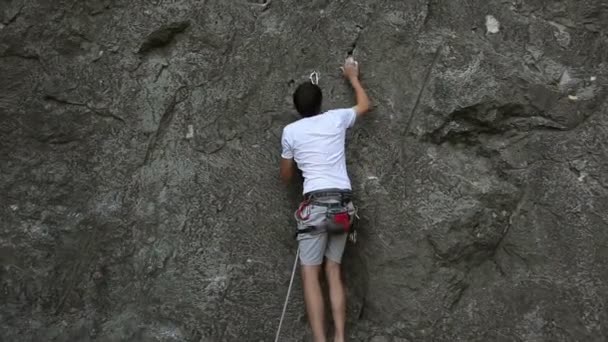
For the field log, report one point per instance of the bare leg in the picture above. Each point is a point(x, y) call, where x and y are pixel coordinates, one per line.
point(337, 298)
point(314, 300)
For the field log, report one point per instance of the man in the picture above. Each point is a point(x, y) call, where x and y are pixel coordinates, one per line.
point(315, 144)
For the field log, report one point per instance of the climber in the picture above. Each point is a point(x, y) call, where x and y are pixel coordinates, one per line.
point(315, 144)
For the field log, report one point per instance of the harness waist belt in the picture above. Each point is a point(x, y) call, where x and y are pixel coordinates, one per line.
point(329, 204)
point(343, 193)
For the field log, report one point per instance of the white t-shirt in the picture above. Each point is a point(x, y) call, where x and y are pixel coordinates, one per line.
point(317, 145)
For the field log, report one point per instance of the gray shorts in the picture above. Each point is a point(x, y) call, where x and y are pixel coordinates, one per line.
point(318, 244)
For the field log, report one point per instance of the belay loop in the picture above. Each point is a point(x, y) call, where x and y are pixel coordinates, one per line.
point(314, 78)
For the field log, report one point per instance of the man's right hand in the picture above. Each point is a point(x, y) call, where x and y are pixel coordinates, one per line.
point(351, 69)
point(351, 72)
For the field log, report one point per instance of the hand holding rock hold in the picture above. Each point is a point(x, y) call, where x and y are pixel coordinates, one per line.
point(350, 68)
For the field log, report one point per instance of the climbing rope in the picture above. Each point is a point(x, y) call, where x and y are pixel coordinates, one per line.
point(293, 273)
point(314, 78)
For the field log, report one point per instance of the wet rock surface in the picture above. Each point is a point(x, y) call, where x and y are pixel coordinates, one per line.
point(139, 149)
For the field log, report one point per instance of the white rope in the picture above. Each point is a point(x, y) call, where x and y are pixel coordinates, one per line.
point(293, 273)
point(314, 77)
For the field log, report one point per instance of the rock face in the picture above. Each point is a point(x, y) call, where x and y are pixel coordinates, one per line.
point(139, 149)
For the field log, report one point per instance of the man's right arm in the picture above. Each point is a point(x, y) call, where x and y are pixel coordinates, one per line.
point(351, 72)
point(362, 106)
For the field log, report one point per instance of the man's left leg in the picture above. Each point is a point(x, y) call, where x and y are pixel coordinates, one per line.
point(337, 292)
point(313, 298)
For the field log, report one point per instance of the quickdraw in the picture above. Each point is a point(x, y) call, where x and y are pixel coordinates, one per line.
point(314, 77)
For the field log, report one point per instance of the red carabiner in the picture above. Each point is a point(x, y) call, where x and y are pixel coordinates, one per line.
point(303, 205)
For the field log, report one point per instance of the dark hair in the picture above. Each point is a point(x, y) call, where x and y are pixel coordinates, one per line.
point(307, 99)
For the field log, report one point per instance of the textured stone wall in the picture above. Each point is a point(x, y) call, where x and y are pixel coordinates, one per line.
point(139, 150)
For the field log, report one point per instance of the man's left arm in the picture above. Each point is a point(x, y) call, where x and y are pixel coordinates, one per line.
point(287, 167)
point(287, 170)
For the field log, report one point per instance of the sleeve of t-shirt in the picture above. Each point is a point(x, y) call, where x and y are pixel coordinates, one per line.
point(286, 148)
point(347, 117)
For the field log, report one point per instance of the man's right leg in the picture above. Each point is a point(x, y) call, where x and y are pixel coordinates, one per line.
point(337, 292)
point(337, 298)
point(312, 251)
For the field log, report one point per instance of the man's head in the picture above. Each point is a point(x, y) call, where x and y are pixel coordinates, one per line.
point(307, 99)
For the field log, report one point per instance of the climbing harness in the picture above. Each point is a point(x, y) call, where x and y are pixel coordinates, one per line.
point(314, 78)
point(338, 217)
point(293, 273)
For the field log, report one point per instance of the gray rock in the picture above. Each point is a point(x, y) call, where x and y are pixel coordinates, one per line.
point(139, 146)
point(162, 36)
point(380, 339)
